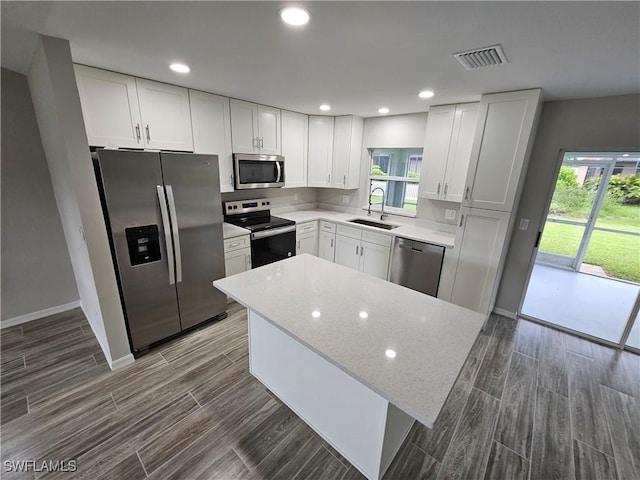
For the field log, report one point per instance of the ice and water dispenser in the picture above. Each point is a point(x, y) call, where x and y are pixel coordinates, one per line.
point(144, 244)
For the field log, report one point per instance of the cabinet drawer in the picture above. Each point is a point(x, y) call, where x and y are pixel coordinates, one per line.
point(327, 226)
point(377, 238)
point(236, 243)
point(349, 232)
point(306, 227)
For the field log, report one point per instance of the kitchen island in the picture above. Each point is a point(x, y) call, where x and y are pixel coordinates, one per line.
point(356, 357)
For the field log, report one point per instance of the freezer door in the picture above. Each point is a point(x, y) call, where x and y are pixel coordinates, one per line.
point(195, 206)
point(133, 192)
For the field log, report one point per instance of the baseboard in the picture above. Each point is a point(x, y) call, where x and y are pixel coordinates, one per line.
point(29, 317)
point(505, 313)
point(122, 362)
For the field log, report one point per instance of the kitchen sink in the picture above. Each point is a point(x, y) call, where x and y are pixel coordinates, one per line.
point(373, 223)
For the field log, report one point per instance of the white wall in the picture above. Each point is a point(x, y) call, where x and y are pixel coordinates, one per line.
point(57, 107)
point(36, 269)
point(596, 123)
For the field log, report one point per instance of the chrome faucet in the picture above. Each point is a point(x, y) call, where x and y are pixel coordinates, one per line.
point(382, 214)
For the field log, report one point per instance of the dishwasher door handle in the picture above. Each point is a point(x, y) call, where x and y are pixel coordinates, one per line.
point(410, 247)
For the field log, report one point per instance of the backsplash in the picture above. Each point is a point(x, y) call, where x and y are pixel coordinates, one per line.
point(279, 197)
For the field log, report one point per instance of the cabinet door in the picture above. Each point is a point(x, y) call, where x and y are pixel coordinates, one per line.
point(307, 243)
point(481, 242)
point(347, 150)
point(244, 126)
point(237, 262)
point(347, 252)
point(109, 108)
point(320, 151)
point(326, 245)
point(464, 127)
point(295, 140)
point(211, 122)
point(374, 259)
point(500, 148)
point(165, 115)
point(437, 139)
point(269, 130)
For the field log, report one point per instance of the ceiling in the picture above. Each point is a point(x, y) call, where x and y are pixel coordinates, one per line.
point(355, 56)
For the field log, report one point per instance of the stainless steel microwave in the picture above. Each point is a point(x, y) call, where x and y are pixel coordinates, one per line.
point(258, 171)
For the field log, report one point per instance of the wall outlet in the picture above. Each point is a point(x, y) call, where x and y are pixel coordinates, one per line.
point(450, 214)
point(296, 197)
point(524, 223)
point(346, 199)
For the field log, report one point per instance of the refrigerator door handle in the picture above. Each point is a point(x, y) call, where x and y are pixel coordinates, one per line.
point(167, 231)
point(176, 234)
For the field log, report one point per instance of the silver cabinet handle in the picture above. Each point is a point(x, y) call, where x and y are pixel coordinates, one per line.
point(344, 180)
point(461, 219)
point(328, 227)
point(361, 251)
point(138, 137)
point(148, 133)
point(249, 262)
point(356, 250)
point(261, 142)
point(466, 193)
point(231, 179)
point(298, 245)
point(254, 143)
point(231, 245)
point(332, 243)
point(308, 227)
point(176, 234)
point(438, 191)
point(446, 187)
point(162, 199)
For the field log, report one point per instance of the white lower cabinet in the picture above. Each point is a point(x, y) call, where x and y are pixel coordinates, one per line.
point(237, 255)
point(327, 241)
point(307, 238)
point(480, 241)
point(365, 251)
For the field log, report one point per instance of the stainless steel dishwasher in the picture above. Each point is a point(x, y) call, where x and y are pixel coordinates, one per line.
point(417, 265)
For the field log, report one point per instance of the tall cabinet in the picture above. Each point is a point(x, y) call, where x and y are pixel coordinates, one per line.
point(499, 155)
point(295, 147)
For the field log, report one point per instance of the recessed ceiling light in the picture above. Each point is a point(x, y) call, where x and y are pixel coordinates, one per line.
point(390, 353)
point(426, 94)
point(179, 67)
point(325, 108)
point(363, 314)
point(294, 16)
point(315, 314)
point(383, 110)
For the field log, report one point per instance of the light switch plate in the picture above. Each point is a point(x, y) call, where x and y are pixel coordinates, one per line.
point(450, 214)
point(296, 197)
point(524, 223)
point(345, 199)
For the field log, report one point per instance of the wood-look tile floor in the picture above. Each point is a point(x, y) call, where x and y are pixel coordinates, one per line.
point(530, 403)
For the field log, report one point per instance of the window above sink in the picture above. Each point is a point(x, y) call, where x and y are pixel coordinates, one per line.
point(397, 172)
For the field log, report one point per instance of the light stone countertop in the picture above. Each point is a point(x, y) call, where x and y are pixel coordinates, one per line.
point(358, 319)
point(413, 231)
point(230, 231)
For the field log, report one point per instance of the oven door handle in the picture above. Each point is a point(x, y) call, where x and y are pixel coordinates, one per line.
point(272, 232)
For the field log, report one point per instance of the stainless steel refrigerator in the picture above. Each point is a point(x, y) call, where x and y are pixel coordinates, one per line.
point(164, 218)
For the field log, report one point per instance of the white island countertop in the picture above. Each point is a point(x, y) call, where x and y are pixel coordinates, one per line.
point(357, 322)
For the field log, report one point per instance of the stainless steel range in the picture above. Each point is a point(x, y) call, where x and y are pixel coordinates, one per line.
point(272, 238)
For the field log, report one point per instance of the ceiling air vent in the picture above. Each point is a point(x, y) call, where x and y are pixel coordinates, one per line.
point(482, 57)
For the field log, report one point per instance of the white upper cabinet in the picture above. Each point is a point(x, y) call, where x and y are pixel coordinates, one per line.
point(165, 115)
point(255, 128)
point(502, 143)
point(109, 107)
point(447, 151)
point(320, 157)
point(295, 142)
point(211, 122)
point(128, 112)
point(347, 152)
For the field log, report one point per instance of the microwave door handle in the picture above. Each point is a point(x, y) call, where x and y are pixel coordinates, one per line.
point(279, 171)
point(162, 199)
point(176, 234)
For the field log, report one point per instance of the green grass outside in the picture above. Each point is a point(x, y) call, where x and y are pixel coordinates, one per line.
point(406, 206)
point(618, 254)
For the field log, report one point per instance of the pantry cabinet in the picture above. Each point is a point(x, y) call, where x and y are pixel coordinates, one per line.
point(320, 157)
point(501, 145)
point(255, 128)
point(447, 151)
point(127, 112)
point(295, 147)
point(211, 122)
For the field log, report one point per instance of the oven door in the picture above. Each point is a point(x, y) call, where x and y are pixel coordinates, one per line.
point(258, 171)
point(269, 246)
